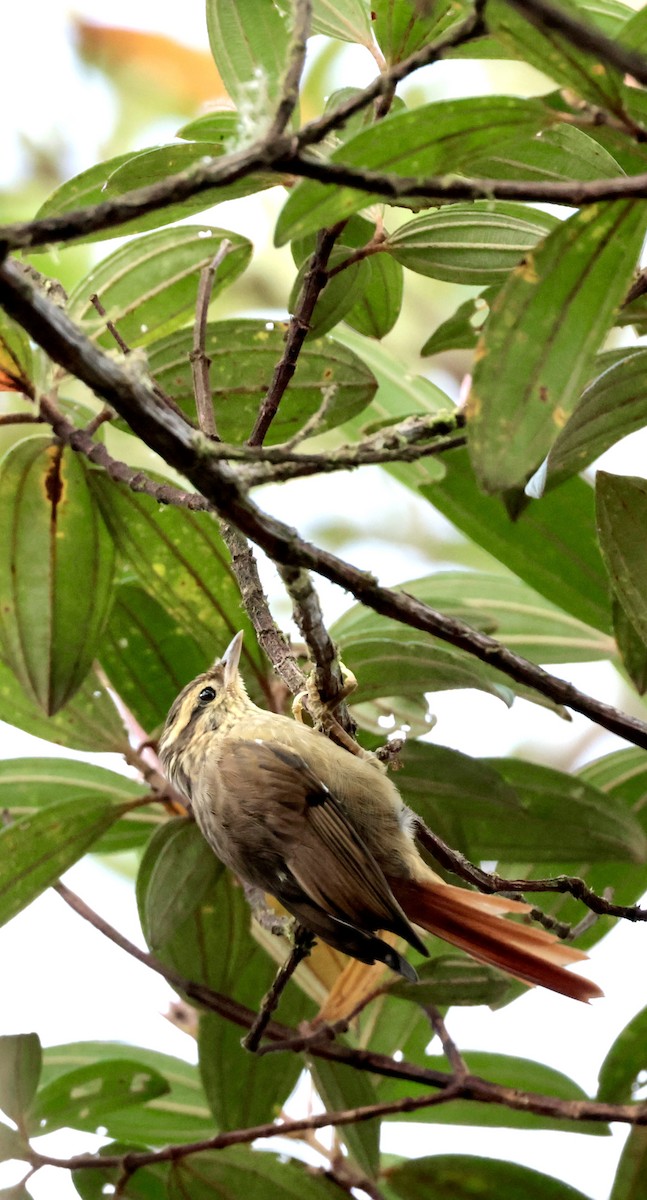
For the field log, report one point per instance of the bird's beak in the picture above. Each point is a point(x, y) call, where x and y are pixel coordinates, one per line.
point(231, 658)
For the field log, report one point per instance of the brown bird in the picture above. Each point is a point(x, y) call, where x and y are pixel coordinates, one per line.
point(328, 834)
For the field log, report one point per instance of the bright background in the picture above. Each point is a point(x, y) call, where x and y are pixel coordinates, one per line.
point(60, 977)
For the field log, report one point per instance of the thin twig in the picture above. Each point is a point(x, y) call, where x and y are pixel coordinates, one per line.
point(314, 282)
point(302, 18)
point(303, 943)
point(586, 36)
point(456, 862)
point(20, 418)
point(452, 1053)
point(199, 359)
point(110, 325)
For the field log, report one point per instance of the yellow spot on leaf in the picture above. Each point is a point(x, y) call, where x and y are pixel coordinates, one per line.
point(526, 269)
point(598, 69)
point(560, 417)
point(473, 405)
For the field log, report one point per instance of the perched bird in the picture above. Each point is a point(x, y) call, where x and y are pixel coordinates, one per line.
point(328, 834)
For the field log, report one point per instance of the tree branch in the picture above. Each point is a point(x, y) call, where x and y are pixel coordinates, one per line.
point(302, 18)
point(544, 15)
point(199, 359)
point(303, 943)
point(177, 443)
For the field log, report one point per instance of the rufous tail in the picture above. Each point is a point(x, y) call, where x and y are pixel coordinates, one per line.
point(474, 923)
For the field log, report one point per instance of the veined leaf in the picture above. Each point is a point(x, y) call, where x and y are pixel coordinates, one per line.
point(622, 512)
point(341, 1087)
point(51, 535)
point(557, 54)
point(16, 367)
point(151, 282)
point(434, 139)
point(471, 244)
point(249, 42)
point(345, 20)
point(202, 929)
point(20, 1067)
point(180, 1115)
point(29, 785)
point(239, 1171)
point(553, 546)
point(35, 850)
point(400, 28)
point(244, 354)
point(82, 1097)
point(613, 405)
point(89, 720)
point(377, 308)
point(461, 330)
point(181, 561)
point(527, 377)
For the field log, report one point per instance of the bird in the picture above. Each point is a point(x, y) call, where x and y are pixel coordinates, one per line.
point(328, 834)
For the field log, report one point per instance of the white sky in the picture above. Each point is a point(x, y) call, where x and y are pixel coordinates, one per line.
point(60, 977)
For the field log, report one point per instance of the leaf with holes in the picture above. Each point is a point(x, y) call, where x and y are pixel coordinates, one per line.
point(528, 376)
point(83, 1096)
point(52, 534)
point(150, 284)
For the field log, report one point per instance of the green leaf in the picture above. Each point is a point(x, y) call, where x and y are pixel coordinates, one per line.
point(20, 1067)
point(471, 244)
point(504, 1069)
point(613, 405)
point(220, 128)
point(125, 172)
point(181, 1114)
point(341, 1088)
point(558, 55)
point(434, 139)
point(453, 979)
point(339, 294)
point(527, 377)
point(389, 659)
point(400, 28)
point(377, 309)
point(622, 510)
point(38, 848)
point(238, 1171)
point(504, 607)
point(206, 923)
point(345, 20)
point(151, 283)
point(563, 153)
point(510, 810)
point(244, 354)
point(83, 1097)
point(249, 42)
point(12, 1145)
point(28, 785)
point(147, 1183)
point(629, 1182)
point(182, 562)
point(631, 647)
point(399, 395)
point(623, 1069)
point(553, 546)
point(461, 330)
point(574, 820)
point(147, 655)
point(89, 720)
point(16, 364)
point(52, 535)
point(464, 1176)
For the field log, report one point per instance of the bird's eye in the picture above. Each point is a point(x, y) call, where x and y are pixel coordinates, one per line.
point(206, 695)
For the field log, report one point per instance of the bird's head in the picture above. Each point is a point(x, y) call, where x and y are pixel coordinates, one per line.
point(206, 706)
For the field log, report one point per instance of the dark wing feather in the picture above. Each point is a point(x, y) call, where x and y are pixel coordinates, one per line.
point(319, 845)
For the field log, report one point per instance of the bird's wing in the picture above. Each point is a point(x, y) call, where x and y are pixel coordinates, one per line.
point(270, 785)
